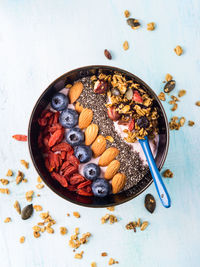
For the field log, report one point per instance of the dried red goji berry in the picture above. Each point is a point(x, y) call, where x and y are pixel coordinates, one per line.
point(55, 137)
point(56, 117)
point(20, 137)
point(47, 164)
point(55, 127)
point(50, 122)
point(59, 159)
point(72, 159)
point(131, 125)
point(63, 155)
point(60, 179)
point(40, 140)
point(42, 121)
point(56, 161)
point(84, 193)
point(88, 189)
point(70, 170)
point(76, 179)
point(71, 188)
point(65, 165)
point(62, 147)
point(84, 184)
point(51, 161)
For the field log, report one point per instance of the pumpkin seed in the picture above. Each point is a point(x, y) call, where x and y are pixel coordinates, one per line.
point(133, 22)
point(27, 212)
point(150, 203)
point(115, 92)
point(169, 86)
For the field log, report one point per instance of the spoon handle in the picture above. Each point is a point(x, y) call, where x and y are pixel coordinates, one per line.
point(160, 187)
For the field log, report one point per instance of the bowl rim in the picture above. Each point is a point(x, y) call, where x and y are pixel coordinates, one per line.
point(104, 67)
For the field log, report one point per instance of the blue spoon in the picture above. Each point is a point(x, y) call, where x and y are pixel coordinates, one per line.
point(160, 187)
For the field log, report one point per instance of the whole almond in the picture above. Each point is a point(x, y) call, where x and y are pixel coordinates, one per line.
point(118, 182)
point(85, 118)
point(108, 156)
point(99, 146)
point(75, 91)
point(112, 169)
point(78, 107)
point(91, 134)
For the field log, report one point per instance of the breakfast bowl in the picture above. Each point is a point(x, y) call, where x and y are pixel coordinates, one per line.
point(37, 156)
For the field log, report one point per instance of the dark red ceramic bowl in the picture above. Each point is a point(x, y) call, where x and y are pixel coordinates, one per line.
point(37, 158)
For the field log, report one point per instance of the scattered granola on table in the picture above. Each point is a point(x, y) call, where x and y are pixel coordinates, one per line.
point(112, 261)
point(25, 163)
point(19, 177)
point(104, 254)
point(161, 96)
point(107, 54)
point(109, 217)
point(178, 50)
point(175, 123)
point(79, 255)
point(4, 191)
point(75, 242)
point(191, 123)
point(37, 207)
point(133, 23)
point(168, 77)
point(111, 208)
point(29, 195)
point(181, 93)
point(125, 45)
point(39, 179)
point(197, 103)
point(4, 181)
point(126, 13)
point(22, 239)
point(17, 207)
point(168, 174)
point(134, 224)
point(144, 226)
point(7, 220)
point(93, 264)
point(39, 186)
point(151, 26)
point(76, 214)
point(63, 230)
point(9, 173)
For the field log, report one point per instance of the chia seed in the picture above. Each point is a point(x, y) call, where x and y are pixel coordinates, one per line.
point(130, 162)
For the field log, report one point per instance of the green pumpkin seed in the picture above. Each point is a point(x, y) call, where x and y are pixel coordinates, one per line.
point(27, 212)
point(169, 86)
point(133, 22)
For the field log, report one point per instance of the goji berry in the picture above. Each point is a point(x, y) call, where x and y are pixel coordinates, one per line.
point(20, 137)
point(71, 188)
point(56, 117)
point(131, 125)
point(55, 137)
point(63, 155)
point(70, 170)
point(73, 160)
point(40, 140)
point(65, 165)
point(62, 147)
point(137, 97)
point(42, 121)
point(84, 184)
point(50, 122)
point(55, 127)
point(76, 179)
point(84, 193)
point(60, 179)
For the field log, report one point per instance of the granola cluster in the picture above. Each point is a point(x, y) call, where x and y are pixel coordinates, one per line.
point(129, 105)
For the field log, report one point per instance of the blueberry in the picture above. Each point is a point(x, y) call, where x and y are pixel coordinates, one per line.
point(101, 187)
point(59, 101)
point(74, 137)
point(91, 171)
point(83, 153)
point(143, 122)
point(68, 118)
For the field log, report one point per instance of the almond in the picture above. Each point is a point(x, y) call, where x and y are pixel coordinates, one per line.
point(78, 107)
point(118, 182)
point(85, 118)
point(108, 156)
point(112, 169)
point(99, 146)
point(75, 91)
point(91, 134)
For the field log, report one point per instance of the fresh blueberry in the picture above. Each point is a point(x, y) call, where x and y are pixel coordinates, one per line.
point(143, 122)
point(74, 137)
point(59, 101)
point(83, 153)
point(101, 187)
point(91, 171)
point(68, 118)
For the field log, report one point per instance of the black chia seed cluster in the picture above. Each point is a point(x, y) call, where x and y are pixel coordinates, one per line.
point(130, 161)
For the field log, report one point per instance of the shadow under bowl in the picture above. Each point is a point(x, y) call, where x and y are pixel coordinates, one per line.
point(37, 158)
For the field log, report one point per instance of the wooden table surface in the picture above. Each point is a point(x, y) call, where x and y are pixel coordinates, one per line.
point(39, 41)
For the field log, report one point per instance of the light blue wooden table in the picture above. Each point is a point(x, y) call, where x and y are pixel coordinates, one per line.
point(40, 40)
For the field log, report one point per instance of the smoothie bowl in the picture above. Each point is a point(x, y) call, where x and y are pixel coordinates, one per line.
point(84, 131)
